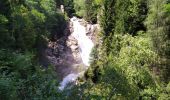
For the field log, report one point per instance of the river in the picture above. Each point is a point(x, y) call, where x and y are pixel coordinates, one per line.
point(85, 45)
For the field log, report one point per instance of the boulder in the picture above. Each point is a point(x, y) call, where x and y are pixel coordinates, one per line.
point(71, 38)
point(74, 47)
point(74, 42)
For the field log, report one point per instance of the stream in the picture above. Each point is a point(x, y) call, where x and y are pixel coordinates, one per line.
point(85, 45)
point(70, 54)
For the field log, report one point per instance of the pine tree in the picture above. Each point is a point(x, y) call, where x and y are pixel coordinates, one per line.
point(158, 29)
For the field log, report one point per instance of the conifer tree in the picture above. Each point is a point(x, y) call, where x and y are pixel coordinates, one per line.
point(158, 29)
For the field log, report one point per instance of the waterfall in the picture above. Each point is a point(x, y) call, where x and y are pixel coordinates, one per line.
point(85, 45)
point(69, 78)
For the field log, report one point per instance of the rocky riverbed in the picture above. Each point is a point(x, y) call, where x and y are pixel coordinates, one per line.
point(70, 53)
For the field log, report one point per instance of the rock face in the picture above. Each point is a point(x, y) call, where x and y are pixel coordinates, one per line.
point(73, 45)
point(65, 53)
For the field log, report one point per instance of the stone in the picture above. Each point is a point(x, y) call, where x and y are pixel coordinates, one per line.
point(74, 47)
point(74, 42)
point(71, 38)
point(69, 43)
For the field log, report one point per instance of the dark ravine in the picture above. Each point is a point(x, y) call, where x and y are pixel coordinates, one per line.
point(65, 52)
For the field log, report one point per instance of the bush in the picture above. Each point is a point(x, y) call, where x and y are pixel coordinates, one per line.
point(22, 79)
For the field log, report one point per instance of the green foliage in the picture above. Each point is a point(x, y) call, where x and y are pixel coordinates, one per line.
point(23, 28)
point(158, 28)
point(108, 17)
point(22, 25)
point(5, 7)
point(69, 7)
point(167, 8)
point(79, 6)
point(129, 64)
point(91, 11)
point(125, 75)
point(129, 60)
point(5, 38)
point(22, 79)
point(164, 92)
point(130, 68)
point(126, 16)
point(24, 22)
point(99, 2)
point(7, 88)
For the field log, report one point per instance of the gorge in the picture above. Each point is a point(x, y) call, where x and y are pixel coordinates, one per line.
point(71, 53)
point(85, 49)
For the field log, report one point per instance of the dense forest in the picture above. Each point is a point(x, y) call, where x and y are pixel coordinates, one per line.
point(130, 61)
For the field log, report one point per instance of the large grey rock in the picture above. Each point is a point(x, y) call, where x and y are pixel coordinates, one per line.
point(74, 47)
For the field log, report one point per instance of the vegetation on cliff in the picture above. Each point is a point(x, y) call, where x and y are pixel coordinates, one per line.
point(23, 26)
point(131, 61)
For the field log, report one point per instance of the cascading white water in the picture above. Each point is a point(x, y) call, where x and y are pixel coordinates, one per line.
point(85, 45)
point(69, 78)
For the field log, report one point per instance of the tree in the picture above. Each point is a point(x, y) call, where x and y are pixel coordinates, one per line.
point(79, 6)
point(158, 28)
